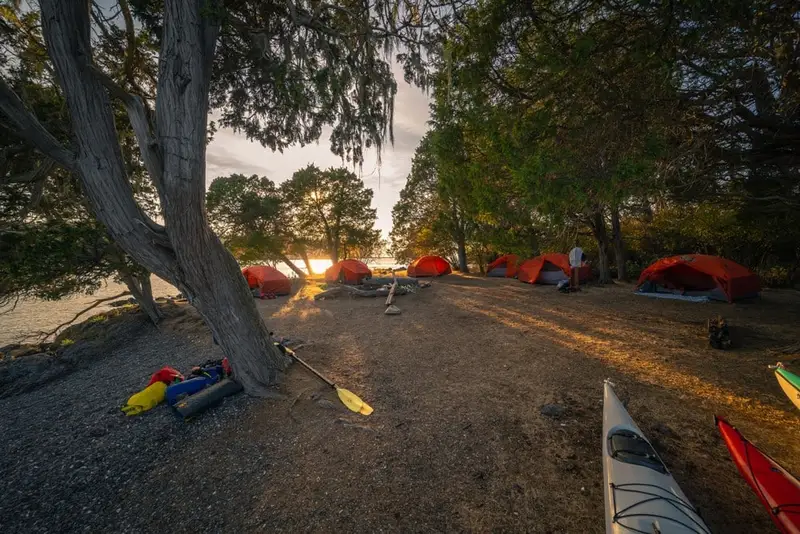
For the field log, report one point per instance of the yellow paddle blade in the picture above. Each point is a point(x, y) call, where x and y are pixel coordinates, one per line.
point(353, 402)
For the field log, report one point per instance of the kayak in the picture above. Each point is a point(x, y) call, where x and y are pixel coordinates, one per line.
point(640, 493)
point(777, 489)
point(789, 382)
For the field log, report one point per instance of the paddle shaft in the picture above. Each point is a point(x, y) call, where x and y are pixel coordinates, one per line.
point(304, 364)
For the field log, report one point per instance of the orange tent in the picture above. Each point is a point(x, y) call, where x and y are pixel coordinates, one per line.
point(700, 275)
point(267, 279)
point(509, 261)
point(531, 271)
point(347, 272)
point(429, 266)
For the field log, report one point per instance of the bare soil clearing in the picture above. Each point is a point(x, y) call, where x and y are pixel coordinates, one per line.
point(457, 441)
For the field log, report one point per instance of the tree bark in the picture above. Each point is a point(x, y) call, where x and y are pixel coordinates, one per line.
point(186, 252)
point(209, 271)
point(462, 256)
point(142, 291)
point(304, 255)
point(598, 226)
point(299, 272)
point(620, 255)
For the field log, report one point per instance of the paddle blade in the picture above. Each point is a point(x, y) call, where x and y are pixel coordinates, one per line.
point(353, 402)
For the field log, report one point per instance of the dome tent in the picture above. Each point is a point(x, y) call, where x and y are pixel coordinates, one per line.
point(549, 269)
point(504, 266)
point(699, 275)
point(267, 279)
point(429, 266)
point(347, 272)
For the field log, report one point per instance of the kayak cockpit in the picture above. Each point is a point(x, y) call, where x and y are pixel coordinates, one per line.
point(631, 448)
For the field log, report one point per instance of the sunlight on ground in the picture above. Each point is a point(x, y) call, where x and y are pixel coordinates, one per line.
point(300, 303)
point(627, 359)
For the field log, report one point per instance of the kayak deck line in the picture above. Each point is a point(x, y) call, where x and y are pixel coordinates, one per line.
point(678, 503)
point(641, 495)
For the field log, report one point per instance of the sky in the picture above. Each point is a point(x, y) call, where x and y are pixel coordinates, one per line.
point(230, 152)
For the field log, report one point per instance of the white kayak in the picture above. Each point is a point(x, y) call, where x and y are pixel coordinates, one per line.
point(640, 493)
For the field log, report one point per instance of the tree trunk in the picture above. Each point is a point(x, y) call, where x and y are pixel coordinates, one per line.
point(188, 255)
point(462, 257)
point(299, 272)
point(619, 245)
point(598, 226)
point(142, 291)
point(304, 255)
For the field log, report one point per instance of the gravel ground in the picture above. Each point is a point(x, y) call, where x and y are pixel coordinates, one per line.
point(488, 414)
point(70, 452)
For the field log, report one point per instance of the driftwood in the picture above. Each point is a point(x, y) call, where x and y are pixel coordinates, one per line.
point(390, 298)
point(352, 291)
point(386, 280)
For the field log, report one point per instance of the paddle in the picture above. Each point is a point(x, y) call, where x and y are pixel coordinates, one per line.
point(348, 398)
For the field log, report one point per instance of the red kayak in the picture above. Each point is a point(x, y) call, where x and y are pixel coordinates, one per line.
point(778, 490)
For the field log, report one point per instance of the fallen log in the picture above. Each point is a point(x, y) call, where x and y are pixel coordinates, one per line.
point(386, 281)
point(390, 298)
point(340, 291)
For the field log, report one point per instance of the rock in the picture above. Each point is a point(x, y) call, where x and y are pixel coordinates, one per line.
point(552, 410)
point(392, 310)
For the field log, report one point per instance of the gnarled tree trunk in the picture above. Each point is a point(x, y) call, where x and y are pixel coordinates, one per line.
point(185, 252)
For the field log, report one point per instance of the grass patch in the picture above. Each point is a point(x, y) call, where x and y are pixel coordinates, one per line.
point(66, 342)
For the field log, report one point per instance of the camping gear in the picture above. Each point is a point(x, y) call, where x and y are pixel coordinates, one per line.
point(789, 382)
point(347, 272)
point(348, 398)
point(549, 269)
point(504, 266)
point(168, 375)
point(719, 337)
point(267, 280)
point(698, 275)
point(777, 489)
point(208, 397)
point(640, 493)
point(175, 392)
point(429, 266)
point(147, 399)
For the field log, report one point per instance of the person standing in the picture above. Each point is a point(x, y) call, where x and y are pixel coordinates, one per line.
point(575, 261)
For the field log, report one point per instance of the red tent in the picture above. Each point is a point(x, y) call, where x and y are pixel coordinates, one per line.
point(347, 272)
point(535, 270)
point(429, 266)
point(700, 274)
point(267, 279)
point(509, 261)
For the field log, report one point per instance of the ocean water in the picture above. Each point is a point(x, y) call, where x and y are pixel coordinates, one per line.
point(29, 317)
point(318, 265)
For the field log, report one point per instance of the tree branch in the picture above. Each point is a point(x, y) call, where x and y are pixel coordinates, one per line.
point(45, 335)
point(27, 126)
point(33, 175)
point(137, 113)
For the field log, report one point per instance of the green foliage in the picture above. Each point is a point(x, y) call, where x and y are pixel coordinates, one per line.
point(552, 121)
point(333, 209)
point(248, 214)
point(50, 242)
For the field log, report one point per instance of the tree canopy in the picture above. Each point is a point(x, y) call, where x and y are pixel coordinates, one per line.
point(334, 208)
point(619, 125)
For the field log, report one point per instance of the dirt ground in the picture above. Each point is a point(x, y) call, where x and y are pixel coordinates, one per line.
point(457, 442)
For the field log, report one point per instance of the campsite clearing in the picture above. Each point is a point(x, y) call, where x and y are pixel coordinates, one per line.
point(488, 416)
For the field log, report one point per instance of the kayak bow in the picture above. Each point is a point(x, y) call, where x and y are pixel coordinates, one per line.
point(640, 494)
point(777, 489)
